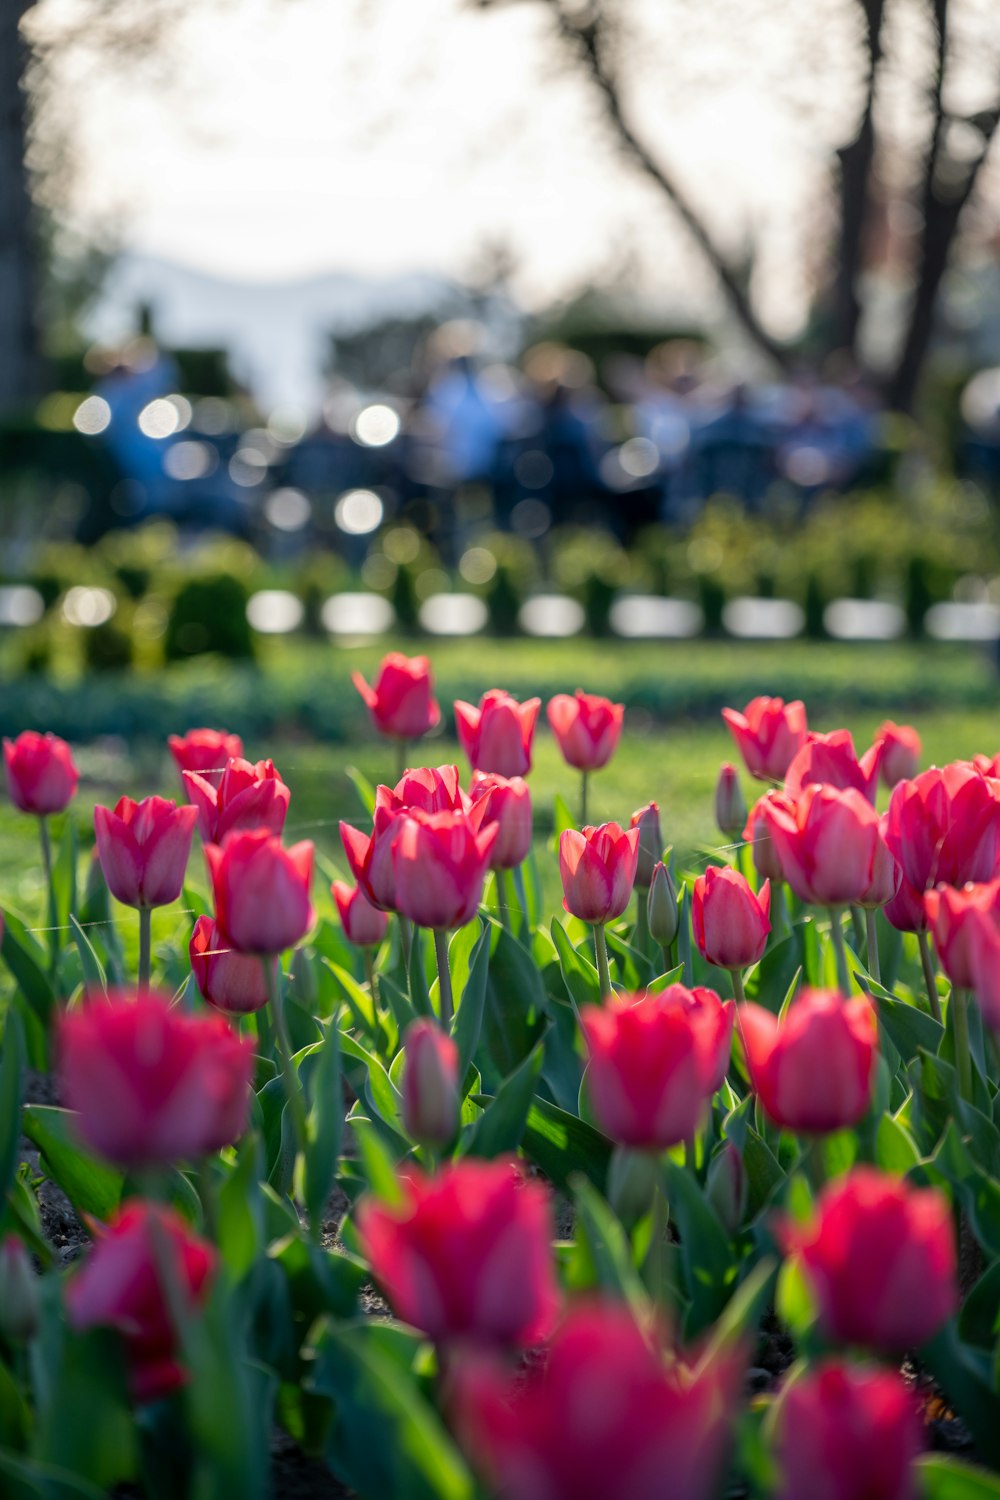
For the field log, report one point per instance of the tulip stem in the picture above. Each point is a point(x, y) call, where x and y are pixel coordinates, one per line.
point(933, 999)
point(43, 832)
point(283, 1049)
point(963, 1057)
point(445, 1006)
point(372, 986)
point(815, 1167)
point(145, 945)
point(840, 951)
point(739, 994)
point(583, 799)
point(405, 940)
point(603, 968)
point(640, 938)
point(209, 1206)
point(874, 967)
point(669, 957)
point(503, 897)
point(658, 1246)
point(522, 899)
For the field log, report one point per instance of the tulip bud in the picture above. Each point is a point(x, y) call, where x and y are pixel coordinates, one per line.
point(430, 1084)
point(632, 1179)
point(661, 907)
point(730, 804)
point(727, 1187)
point(18, 1293)
point(647, 820)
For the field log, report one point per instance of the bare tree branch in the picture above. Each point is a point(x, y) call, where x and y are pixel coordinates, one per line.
point(856, 160)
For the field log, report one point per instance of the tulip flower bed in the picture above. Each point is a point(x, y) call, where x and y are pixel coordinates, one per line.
point(688, 1189)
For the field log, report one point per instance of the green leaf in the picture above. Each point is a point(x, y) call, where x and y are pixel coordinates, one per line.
point(364, 789)
point(895, 1149)
point(579, 974)
point(515, 1010)
point(376, 1163)
point(419, 990)
point(12, 1063)
point(776, 974)
point(324, 1125)
point(707, 1257)
point(947, 1479)
point(91, 1186)
point(64, 876)
point(29, 1480)
point(501, 1125)
point(470, 989)
point(397, 1000)
point(387, 1439)
point(26, 961)
point(965, 1374)
point(563, 1146)
point(94, 977)
point(910, 1030)
point(635, 970)
point(240, 1210)
point(386, 1099)
point(979, 1319)
point(795, 1302)
point(604, 1251)
point(562, 817)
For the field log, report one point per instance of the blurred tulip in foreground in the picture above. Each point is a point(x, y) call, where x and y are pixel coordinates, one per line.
point(953, 916)
point(144, 849)
point(151, 1084)
point(401, 703)
point(121, 1285)
point(812, 1070)
point(466, 1255)
point(880, 1258)
point(845, 1431)
point(41, 775)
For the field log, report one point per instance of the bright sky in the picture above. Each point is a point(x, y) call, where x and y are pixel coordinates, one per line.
point(303, 136)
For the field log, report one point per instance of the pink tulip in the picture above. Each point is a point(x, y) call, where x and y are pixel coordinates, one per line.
point(826, 842)
point(831, 760)
point(900, 752)
point(845, 1431)
point(152, 1085)
point(598, 869)
point(426, 789)
point(944, 826)
point(144, 849)
point(122, 1285)
point(363, 924)
point(466, 1255)
point(430, 1084)
point(231, 981)
point(953, 916)
point(440, 862)
point(812, 1070)
point(880, 1258)
point(497, 735)
point(906, 910)
point(768, 733)
point(261, 891)
point(506, 802)
point(647, 820)
point(246, 796)
point(402, 703)
point(41, 776)
point(586, 727)
point(758, 834)
point(730, 921)
point(604, 1417)
point(206, 751)
point(654, 1063)
point(886, 879)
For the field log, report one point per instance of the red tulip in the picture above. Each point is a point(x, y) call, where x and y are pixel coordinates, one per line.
point(587, 728)
point(152, 1085)
point(655, 1060)
point(598, 869)
point(261, 891)
point(207, 751)
point(467, 1254)
point(768, 733)
point(730, 807)
point(430, 1084)
point(758, 834)
point(847, 1431)
point(41, 776)
point(427, 789)
point(987, 765)
point(831, 760)
point(121, 1285)
point(144, 849)
point(826, 841)
point(402, 703)
point(813, 1069)
point(647, 820)
point(363, 924)
point(953, 915)
point(246, 796)
point(880, 1258)
point(506, 802)
point(497, 735)
point(230, 981)
point(730, 921)
point(944, 826)
point(602, 1418)
point(906, 911)
point(886, 879)
point(900, 752)
point(439, 864)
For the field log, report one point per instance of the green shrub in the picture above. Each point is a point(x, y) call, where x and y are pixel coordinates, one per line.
point(209, 614)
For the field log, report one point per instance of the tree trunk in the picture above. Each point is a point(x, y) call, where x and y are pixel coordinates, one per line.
point(21, 373)
point(855, 172)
